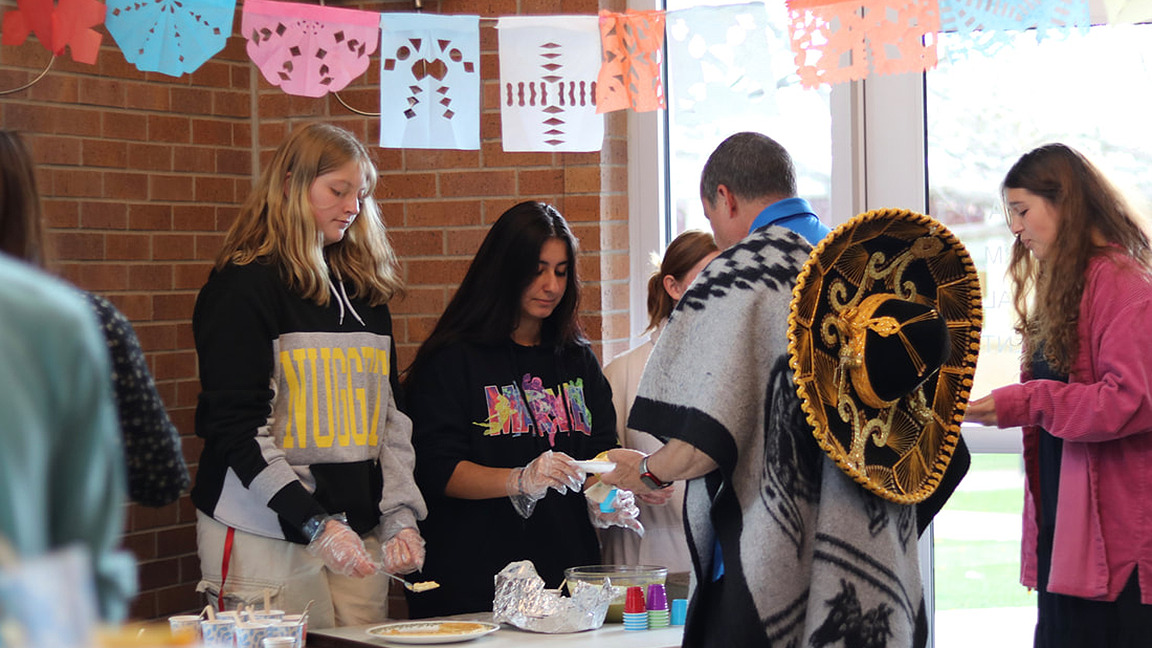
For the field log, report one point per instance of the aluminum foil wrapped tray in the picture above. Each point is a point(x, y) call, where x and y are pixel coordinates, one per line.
point(522, 601)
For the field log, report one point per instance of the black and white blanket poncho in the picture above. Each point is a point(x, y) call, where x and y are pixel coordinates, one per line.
point(811, 558)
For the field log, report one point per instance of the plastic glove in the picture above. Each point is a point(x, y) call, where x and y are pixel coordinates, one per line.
point(620, 510)
point(528, 485)
point(342, 550)
point(404, 552)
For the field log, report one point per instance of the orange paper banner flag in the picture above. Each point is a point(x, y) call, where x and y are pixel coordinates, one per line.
point(631, 59)
point(68, 24)
point(843, 40)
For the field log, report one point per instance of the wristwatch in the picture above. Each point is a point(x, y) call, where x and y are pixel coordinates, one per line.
point(650, 480)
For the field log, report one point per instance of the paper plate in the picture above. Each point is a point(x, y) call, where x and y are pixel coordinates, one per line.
point(595, 466)
point(432, 632)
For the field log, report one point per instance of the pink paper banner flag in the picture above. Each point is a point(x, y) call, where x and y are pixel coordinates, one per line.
point(173, 37)
point(632, 57)
point(842, 40)
point(429, 81)
point(309, 50)
point(68, 24)
point(548, 69)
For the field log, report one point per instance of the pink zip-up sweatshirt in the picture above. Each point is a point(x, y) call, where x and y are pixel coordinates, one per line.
point(1104, 415)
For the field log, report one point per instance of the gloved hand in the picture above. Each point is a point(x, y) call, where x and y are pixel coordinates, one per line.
point(342, 550)
point(527, 485)
point(620, 510)
point(404, 552)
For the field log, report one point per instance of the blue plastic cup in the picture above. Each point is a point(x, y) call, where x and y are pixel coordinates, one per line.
point(679, 611)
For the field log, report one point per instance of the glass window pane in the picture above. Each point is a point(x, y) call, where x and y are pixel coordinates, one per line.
point(797, 118)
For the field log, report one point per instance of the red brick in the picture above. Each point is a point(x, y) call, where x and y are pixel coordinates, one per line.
point(104, 153)
point(174, 306)
point(421, 159)
point(101, 91)
point(128, 247)
point(190, 276)
point(154, 574)
point(211, 132)
point(147, 96)
point(582, 179)
point(153, 157)
point(149, 276)
point(442, 271)
point(195, 159)
point(170, 187)
point(103, 215)
point(227, 103)
point(126, 186)
point(465, 242)
point(60, 213)
point(539, 182)
point(80, 246)
point(177, 364)
point(174, 542)
point(53, 88)
point(215, 190)
point(177, 246)
point(194, 218)
point(156, 337)
point(181, 599)
point(123, 125)
point(149, 216)
point(407, 185)
point(442, 214)
point(168, 128)
point(208, 246)
point(418, 242)
point(233, 161)
point(214, 74)
point(478, 183)
point(51, 149)
point(76, 182)
point(194, 101)
point(420, 301)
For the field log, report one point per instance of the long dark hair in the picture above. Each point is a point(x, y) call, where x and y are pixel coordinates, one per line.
point(486, 307)
point(1086, 203)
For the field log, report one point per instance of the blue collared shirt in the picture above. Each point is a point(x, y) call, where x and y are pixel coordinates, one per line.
point(795, 214)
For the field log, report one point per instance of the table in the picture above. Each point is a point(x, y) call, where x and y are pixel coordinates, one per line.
point(611, 635)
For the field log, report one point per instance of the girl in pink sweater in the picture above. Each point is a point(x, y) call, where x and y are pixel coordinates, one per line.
point(1083, 296)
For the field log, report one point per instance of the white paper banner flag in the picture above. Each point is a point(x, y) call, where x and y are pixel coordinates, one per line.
point(429, 81)
point(718, 62)
point(548, 70)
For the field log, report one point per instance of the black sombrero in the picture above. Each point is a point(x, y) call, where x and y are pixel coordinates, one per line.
point(883, 334)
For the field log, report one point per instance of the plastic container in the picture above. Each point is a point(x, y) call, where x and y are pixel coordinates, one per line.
point(622, 577)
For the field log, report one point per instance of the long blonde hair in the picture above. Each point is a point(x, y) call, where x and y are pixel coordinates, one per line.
point(1086, 204)
point(276, 222)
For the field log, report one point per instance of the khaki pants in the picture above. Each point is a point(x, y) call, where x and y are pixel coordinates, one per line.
point(291, 574)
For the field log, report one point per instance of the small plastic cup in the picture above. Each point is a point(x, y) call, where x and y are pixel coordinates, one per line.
point(292, 630)
point(185, 625)
point(634, 600)
point(657, 598)
point(266, 616)
point(219, 632)
point(302, 621)
point(251, 635)
point(679, 611)
point(279, 642)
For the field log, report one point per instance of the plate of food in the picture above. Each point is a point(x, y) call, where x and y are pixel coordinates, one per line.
point(432, 632)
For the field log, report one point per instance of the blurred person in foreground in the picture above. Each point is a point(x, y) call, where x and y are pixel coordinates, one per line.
point(62, 468)
point(788, 548)
point(157, 473)
point(663, 542)
point(1081, 271)
point(305, 482)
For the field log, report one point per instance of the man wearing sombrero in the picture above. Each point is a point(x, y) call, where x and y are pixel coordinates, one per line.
point(807, 495)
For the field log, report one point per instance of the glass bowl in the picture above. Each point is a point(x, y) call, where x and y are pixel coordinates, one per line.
point(622, 577)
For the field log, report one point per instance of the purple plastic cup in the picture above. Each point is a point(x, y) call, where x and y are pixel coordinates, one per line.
point(657, 598)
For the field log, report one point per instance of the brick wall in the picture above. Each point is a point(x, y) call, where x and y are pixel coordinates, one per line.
point(142, 173)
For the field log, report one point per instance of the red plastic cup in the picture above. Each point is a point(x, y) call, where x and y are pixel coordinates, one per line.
point(634, 600)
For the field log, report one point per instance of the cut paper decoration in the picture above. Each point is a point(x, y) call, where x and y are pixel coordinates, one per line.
point(718, 63)
point(173, 37)
point(1128, 11)
point(548, 69)
point(631, 59)
point(429, 81)
point(987, 26)
point(309, 50)
point(68, 24)
point(841, 40)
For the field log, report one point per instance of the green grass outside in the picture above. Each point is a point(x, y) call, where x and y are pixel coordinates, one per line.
point(981, 573)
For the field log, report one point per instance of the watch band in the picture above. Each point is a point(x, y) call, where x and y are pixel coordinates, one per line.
point(650, 480)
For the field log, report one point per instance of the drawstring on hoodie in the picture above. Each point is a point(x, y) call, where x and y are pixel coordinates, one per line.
point(342, 300)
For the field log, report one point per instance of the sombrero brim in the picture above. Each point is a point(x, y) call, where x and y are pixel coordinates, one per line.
point(859, 258)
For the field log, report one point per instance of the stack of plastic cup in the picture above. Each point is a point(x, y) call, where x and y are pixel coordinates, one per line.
point(657, 606)
point(679, 611)
point(635, 614)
